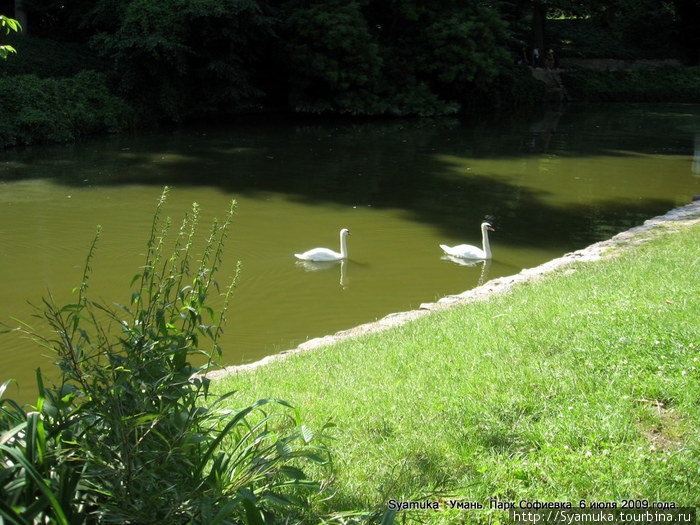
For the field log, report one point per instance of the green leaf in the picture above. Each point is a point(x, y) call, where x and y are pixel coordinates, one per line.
point(292, 472)
point(388, 517)
point(11, 516)
point(277, 499)
point(283, 448)
point(70, 308)
point(4, 438)
point(306, 433)
point(38, 481)
point(4, 386)
point(253, 514)
point(122, 307)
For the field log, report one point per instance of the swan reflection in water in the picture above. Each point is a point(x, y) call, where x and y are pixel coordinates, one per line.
point(485, 266)
point(315, 266)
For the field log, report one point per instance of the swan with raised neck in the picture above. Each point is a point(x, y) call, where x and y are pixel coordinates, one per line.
point(324, 254)
point(467, 251)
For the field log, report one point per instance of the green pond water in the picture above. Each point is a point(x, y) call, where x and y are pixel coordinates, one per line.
point(549, 183)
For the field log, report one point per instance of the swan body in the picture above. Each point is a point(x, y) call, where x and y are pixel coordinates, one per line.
point(467, 251)
point(324, 254)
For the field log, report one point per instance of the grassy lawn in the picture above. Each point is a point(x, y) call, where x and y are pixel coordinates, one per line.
point(585, 385)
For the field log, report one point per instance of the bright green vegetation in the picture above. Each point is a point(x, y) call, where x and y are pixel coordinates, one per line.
point(8, 24)
point(130, 433)
point(580, 386)
point(670, 84)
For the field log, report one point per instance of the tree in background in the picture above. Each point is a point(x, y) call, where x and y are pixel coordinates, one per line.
point(183, 57)
point(334, 62)
point(461, 48)
point(686, 24)
point(58, 19)
point(178, 59)
point(173, 59)
point(397, 57)
point(599, 28)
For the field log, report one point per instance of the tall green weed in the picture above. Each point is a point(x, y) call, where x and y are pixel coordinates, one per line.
point(130, 433)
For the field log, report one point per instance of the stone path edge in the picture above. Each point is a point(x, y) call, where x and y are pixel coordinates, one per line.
point(678, 217)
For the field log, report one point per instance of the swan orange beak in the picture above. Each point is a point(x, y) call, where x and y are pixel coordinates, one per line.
point(490, 228)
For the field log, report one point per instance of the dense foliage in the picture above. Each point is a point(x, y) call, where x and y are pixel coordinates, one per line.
point(130, 433)
point(647, 33)
point(47, 58)
point(178, 60)
point(667, 84)
point(640, 28)
point(397, 58)
point(38, 110)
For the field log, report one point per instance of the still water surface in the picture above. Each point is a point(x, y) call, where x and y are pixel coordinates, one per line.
point(551, 183)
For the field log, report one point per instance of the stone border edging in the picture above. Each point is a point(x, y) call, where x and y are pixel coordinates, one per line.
point(684, 215)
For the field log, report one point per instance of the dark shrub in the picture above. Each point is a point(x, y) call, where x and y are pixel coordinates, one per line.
point(666, 84)
point(37, 110)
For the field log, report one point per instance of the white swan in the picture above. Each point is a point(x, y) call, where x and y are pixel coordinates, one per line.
point(324, 254)
point(467, 251)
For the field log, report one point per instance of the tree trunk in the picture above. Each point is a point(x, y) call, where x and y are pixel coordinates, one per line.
point(538, 22)
point(21, 15)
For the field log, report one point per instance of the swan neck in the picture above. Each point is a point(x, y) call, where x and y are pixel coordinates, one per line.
point(485, 242)
point(343, 246)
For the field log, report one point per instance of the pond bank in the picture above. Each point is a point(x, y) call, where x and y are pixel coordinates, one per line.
point(579, 385)
point(677, 218)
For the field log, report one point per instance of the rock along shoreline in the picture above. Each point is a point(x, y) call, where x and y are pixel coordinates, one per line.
point(683, 216)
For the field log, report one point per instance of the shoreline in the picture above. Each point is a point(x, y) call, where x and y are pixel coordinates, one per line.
point(681, 216)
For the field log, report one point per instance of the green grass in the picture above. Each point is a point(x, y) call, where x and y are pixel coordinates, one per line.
point(582, 386)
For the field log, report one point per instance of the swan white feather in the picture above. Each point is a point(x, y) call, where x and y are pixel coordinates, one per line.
point(467, 251)
point(324, 254)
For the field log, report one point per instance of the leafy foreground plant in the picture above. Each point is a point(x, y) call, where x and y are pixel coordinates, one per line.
point(8, 24)
point(130, 434)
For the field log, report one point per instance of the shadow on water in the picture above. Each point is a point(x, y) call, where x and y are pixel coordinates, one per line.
point(407, 165)
point(399, 164)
